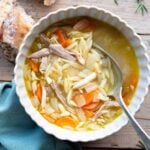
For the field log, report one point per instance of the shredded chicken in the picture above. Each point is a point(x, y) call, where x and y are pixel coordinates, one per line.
point(41, 53)
point(106, 105)
point(79, 57)
point(58, 92)
point(84, 81)
point(82, 24)
point(43, 64)
point(60, 96)
point(43, 104)
point(58, 50)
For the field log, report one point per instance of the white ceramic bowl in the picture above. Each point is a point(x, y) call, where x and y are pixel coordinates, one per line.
point(99, 14)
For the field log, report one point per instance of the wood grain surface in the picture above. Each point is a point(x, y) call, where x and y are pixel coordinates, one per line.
point(126, 138)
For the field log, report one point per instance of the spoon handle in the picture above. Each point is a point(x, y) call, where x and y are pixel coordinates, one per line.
point(141, 133)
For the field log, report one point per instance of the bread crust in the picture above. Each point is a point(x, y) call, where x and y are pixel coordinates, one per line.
point(49, 2)
point(14, 24)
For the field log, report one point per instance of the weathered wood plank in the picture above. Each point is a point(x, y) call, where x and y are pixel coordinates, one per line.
point(126, 10)
point(125, 138)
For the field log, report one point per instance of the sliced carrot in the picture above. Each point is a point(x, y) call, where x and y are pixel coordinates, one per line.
point(130, 81)
point(38, 92)
point(66, 43)
point(48, 117)
point(93, 106)
point(89, 97)
point(62, 38)
point(88, 113)
point(85, 98)
point(66, 121)
point(61, 35)
point(34, 65)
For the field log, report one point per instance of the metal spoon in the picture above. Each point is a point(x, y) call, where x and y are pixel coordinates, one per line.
point(117, 93)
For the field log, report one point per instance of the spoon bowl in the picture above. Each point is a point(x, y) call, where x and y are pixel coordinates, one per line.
point(116, 70)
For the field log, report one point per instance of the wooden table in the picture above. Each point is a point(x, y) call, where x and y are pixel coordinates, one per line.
point(126, 138)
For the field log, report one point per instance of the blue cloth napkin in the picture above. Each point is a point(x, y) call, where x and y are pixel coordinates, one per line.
point(18, 131)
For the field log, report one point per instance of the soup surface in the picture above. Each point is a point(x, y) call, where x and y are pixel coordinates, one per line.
point(69, 80)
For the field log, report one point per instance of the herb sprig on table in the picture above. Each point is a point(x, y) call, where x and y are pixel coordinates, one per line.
point(141, 7)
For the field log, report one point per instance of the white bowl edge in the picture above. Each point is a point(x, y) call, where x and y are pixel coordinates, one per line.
point(120, 121)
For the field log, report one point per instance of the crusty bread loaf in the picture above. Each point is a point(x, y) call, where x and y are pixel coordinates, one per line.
point(5, 8)
point(14, 24)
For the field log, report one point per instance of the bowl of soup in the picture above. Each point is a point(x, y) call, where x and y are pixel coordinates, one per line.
point(65, 83)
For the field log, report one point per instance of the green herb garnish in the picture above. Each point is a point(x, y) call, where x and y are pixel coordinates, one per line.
point(116, 2)
point(141, 7)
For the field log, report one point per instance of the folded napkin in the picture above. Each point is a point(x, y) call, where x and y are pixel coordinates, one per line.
point(18, 131)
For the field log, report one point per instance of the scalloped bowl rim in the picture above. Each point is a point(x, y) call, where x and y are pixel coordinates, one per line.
point(65, 134)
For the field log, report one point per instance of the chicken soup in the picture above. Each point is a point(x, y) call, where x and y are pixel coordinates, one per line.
point(69, 81)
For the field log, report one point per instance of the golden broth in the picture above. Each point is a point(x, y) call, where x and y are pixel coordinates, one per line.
point(113, 41)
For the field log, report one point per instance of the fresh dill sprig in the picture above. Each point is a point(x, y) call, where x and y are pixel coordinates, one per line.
point(140, 145)
point(141, 7)
point(116, 2)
